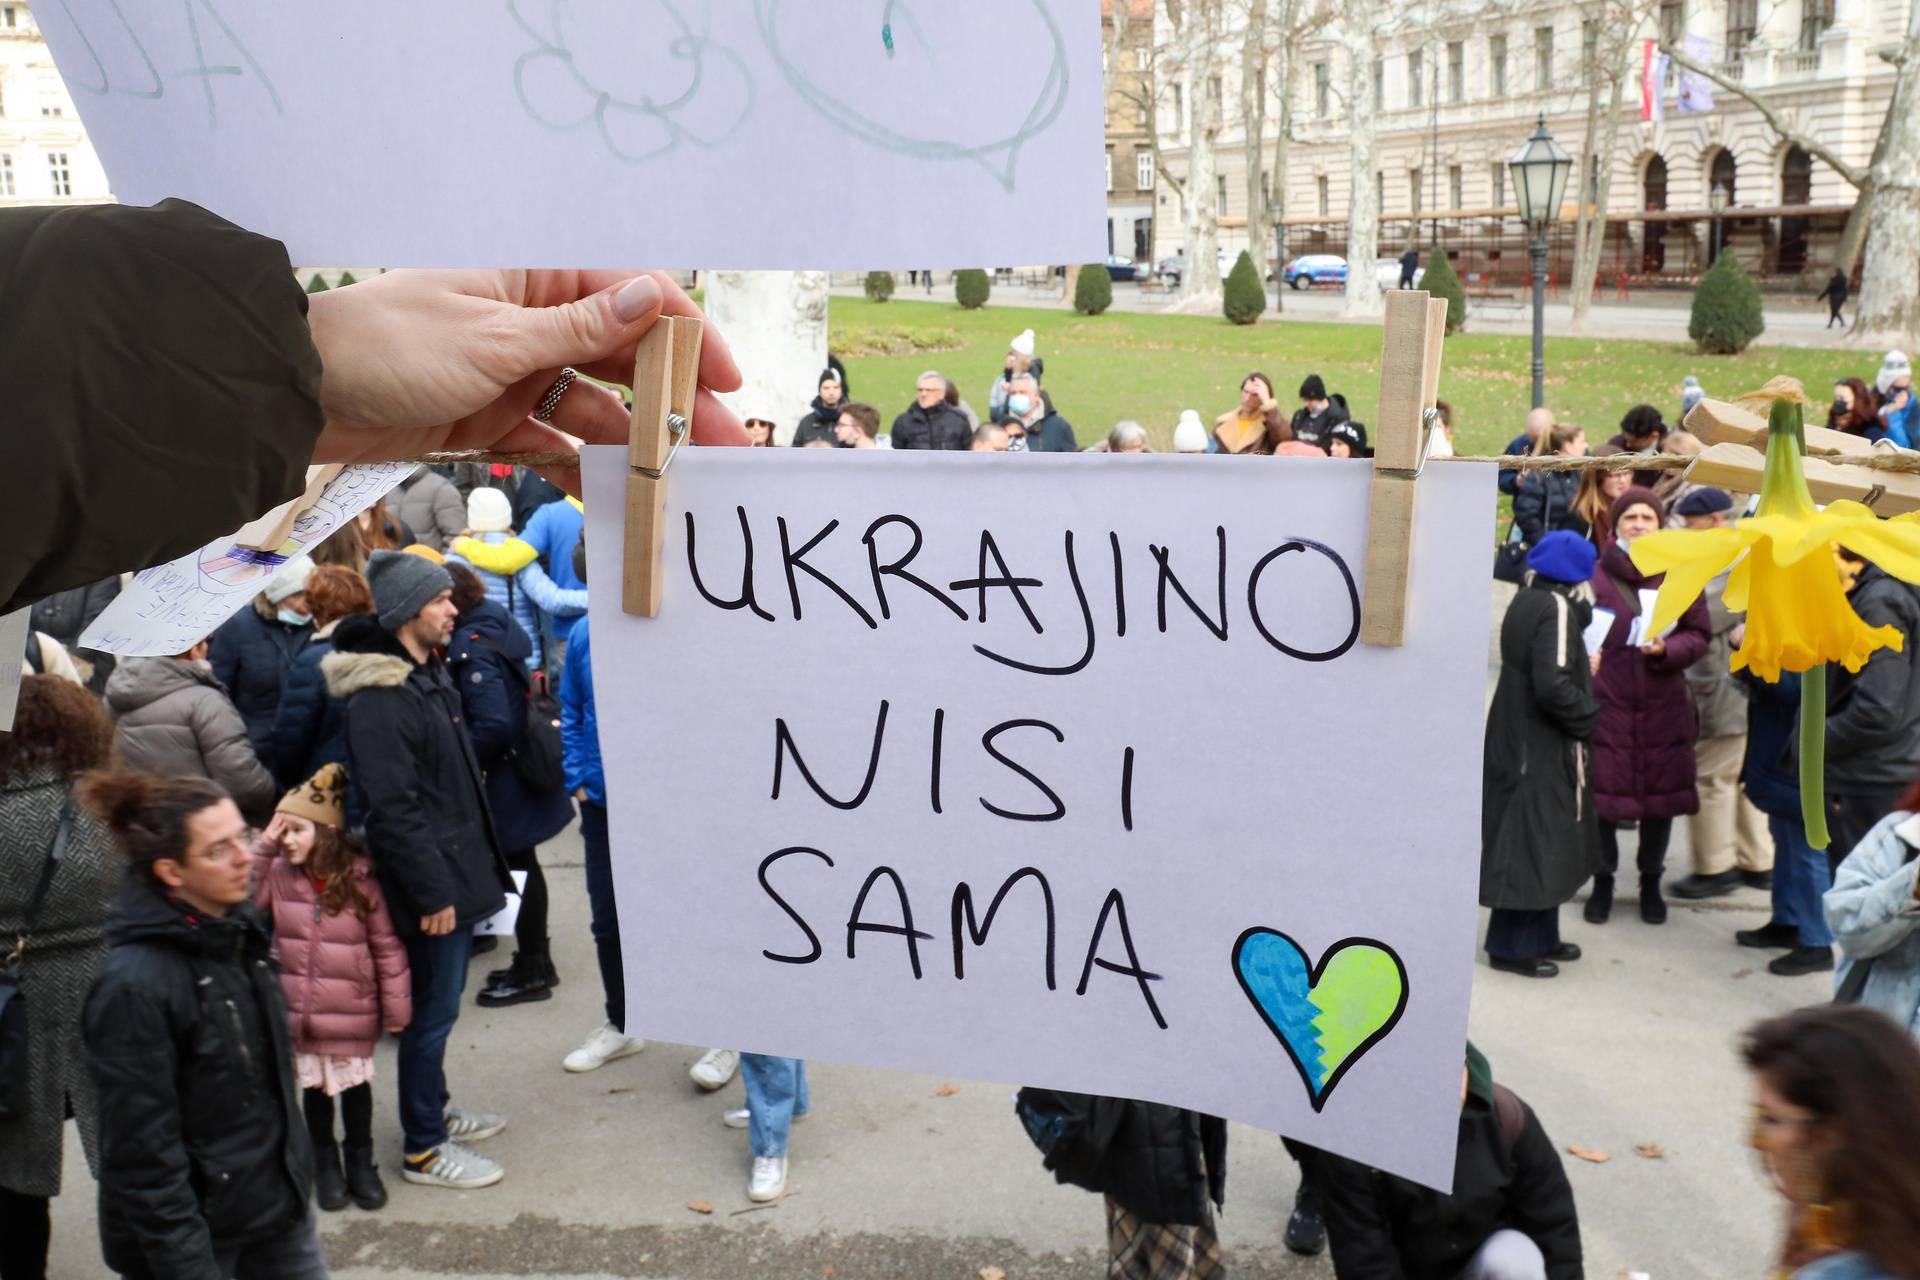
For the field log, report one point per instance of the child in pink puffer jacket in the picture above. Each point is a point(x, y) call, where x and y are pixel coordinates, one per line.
point(344, 971)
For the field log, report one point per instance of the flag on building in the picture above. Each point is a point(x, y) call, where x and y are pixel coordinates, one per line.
point(1653, 74)
point(1696, 91)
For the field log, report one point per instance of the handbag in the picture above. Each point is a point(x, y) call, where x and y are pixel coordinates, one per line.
point(1855, 983)
point(13, 1001)
point(1510, 557)
point(538, 756)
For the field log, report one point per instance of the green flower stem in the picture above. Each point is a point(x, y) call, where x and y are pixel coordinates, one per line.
point(1813, 755)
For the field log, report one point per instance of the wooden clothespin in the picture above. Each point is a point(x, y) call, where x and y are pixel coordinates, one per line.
point(1410, 345)
point(1740, 468)
point(268, 532)
point(666, 373)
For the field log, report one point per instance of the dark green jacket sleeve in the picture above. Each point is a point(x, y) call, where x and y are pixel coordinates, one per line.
point(160, 388)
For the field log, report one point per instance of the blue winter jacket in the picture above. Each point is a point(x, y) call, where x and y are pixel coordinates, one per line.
point(551, 532)
point(501, 586)
point(310, 726)
point(250, 655)
point(1874, 916)
point(579, 722)
point(480, 657)
point(1509, 481)
point(1770, 774)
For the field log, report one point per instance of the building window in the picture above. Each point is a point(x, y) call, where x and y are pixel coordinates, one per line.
point(1456, 187)
point(1109, 173)
point(7, 187)
point(1543, 58)
point(1416, 69)
point(1413, 195)
point(1673, 21)
point(1179, 110)
point(1322, 90)
point(1379, 191)
point(1221, 183)
point(9, 16)
point(1143, 171)
point(1499, 185)
point(1218, 87)
point(1456, 71)
point(1815, 17)
point(61, 173)
point(51, 103)
point(1743, 20)
point(1589, 45)
point(1320, 192)
point(1379, 82)
point(1593, 178)
point(1266, 189)
point(1497, 65)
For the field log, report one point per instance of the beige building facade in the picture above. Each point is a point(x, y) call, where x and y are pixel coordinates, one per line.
point(45, 157)
point(1458, 96)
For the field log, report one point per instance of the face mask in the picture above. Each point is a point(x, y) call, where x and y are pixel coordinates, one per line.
point(1841, 408)
point(1017, 444)
point(293, 619)
point(1020, 404)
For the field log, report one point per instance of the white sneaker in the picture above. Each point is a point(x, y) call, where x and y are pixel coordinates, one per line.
point(452, 1166)
point(769, 1179)
point(741, 1117)
point(472, 1126)
point(603, 1045)
point(715, 1068)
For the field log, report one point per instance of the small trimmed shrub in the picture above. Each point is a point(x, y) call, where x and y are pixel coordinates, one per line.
point(1726, 308)
point(1442, 281)
point(971, 288)
point(1245, 296)
point(1093, 293)
point(879, 286)
point(318, 284)
point(346, 278)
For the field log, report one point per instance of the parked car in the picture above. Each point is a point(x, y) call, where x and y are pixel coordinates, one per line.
point(1121, 268)
point(1173, 268)
point(1313, 269)
point(1388, 270)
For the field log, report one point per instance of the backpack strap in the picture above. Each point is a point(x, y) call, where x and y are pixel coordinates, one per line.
point(1512, 1115)
point(40, 886)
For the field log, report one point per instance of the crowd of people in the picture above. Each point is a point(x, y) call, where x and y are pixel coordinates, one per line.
point(229, 872)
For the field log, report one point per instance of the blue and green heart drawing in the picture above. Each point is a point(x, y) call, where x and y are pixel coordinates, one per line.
point(1326, 1015)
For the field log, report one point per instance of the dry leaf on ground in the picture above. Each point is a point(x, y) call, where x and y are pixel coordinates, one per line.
point(1650, 1151)
point(1588, 1154)
point(993, 1273)
point(946, 1091)
point(826, 1271)
point(701, 1206)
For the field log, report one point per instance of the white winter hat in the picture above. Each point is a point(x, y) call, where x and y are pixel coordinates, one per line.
point(488, 511)
point(290, 579)
point(1023, 344)
point(1894, 367)
point(1190, 436)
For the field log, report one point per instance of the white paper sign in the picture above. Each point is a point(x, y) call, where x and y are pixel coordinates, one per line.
point(1164, 832)
point(170, 608)
point(840, 134)
point(501, 923)
point(1637, 631)
point(1597, 631)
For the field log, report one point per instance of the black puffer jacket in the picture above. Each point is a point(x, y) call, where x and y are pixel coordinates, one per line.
point(122, 328)
point(1873, 715)
point(1386, 1228)
point(1163, 1164)
point(250, 655)
point(414, 769)
point(818, 425)
point(201, 1137)
point(941, 427)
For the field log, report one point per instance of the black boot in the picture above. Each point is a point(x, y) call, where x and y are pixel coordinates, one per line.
point(363, 1179)
point(544, 967)
point(1599, 900)
point(1306, 1230)
point(329, 1184)
point(525, 980)
point(1653, 907)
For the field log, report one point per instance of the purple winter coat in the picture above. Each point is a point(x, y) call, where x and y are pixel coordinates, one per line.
point(1643, 762)
point(346, 979)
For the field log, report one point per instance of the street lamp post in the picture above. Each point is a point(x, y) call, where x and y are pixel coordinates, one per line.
point(1716, 240)
point(1539, 184)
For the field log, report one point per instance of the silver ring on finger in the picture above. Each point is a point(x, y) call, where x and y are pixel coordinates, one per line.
point(551, 400)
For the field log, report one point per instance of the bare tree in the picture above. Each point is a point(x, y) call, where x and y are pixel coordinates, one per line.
point(1362, 41)
point(1888, 312)
point(1187, 64)
point(1617, 26)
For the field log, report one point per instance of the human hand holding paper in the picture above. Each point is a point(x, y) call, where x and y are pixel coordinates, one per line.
point(427, 360)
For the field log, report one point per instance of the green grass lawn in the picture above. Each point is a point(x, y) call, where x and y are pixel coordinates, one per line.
point(1100, 369)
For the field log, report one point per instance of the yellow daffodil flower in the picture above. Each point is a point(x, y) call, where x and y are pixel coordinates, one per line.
point(1784, 577)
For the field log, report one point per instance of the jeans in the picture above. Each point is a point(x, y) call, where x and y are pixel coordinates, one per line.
point(295, 1256)
point(606, 921)
point(1506, 1255)
point(439, 977)
point(1801, 878)
point(776, 1093)
point(1513, 934)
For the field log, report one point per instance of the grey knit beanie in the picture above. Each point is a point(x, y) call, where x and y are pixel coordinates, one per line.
point(402, 585)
